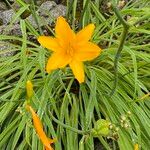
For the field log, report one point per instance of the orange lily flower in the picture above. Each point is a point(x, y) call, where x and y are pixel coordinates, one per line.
point(39, 129)
point(70, 48)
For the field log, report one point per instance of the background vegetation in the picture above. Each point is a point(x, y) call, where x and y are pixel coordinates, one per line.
point(79, 106)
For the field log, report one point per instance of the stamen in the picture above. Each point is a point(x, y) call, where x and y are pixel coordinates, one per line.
point(70, 50)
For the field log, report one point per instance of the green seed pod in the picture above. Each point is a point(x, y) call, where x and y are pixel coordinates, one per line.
point(101, 128)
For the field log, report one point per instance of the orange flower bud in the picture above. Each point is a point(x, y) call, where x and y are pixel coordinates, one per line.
point(39, 129)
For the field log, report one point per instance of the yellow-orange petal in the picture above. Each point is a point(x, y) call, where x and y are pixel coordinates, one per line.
point(36, 119)
point(78, 70)
point(85, 34)
point(29, 89)
point(63, 31)
point(39, 128)
point(57, 60)
point(87, 51)
point(49, 43)
point(46, 148)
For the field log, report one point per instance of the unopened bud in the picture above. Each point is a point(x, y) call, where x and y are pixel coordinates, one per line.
point(136, 146)
point(29, 89)
point(108, 4)
point(126, 125)
point(123, 118)
point(129, 112)
point(116, 129)
point(110, 126)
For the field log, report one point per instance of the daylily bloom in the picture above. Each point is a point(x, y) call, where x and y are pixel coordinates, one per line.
point(70, 48)
point(29, 89)
point(39, 129)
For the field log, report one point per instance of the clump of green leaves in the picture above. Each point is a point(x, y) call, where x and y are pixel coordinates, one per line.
point(68, 110)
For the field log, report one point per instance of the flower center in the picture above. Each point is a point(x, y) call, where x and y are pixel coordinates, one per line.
point(70, 50)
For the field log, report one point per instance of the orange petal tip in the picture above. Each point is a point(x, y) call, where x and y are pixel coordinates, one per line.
point(61, 17)
point(92, 25)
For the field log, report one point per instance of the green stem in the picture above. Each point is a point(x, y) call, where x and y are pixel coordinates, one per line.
point(118, 54)
point(83, 13)
point(117, 13)
point(33, 10)
point(105, 144)
point(69, 127)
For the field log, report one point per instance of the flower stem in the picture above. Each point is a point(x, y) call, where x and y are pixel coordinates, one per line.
point(123, 38)
point(33, 10)
point(104, 143)
point(69, 127)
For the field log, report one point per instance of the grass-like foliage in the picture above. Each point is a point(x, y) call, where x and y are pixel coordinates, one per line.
point(68, 110)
